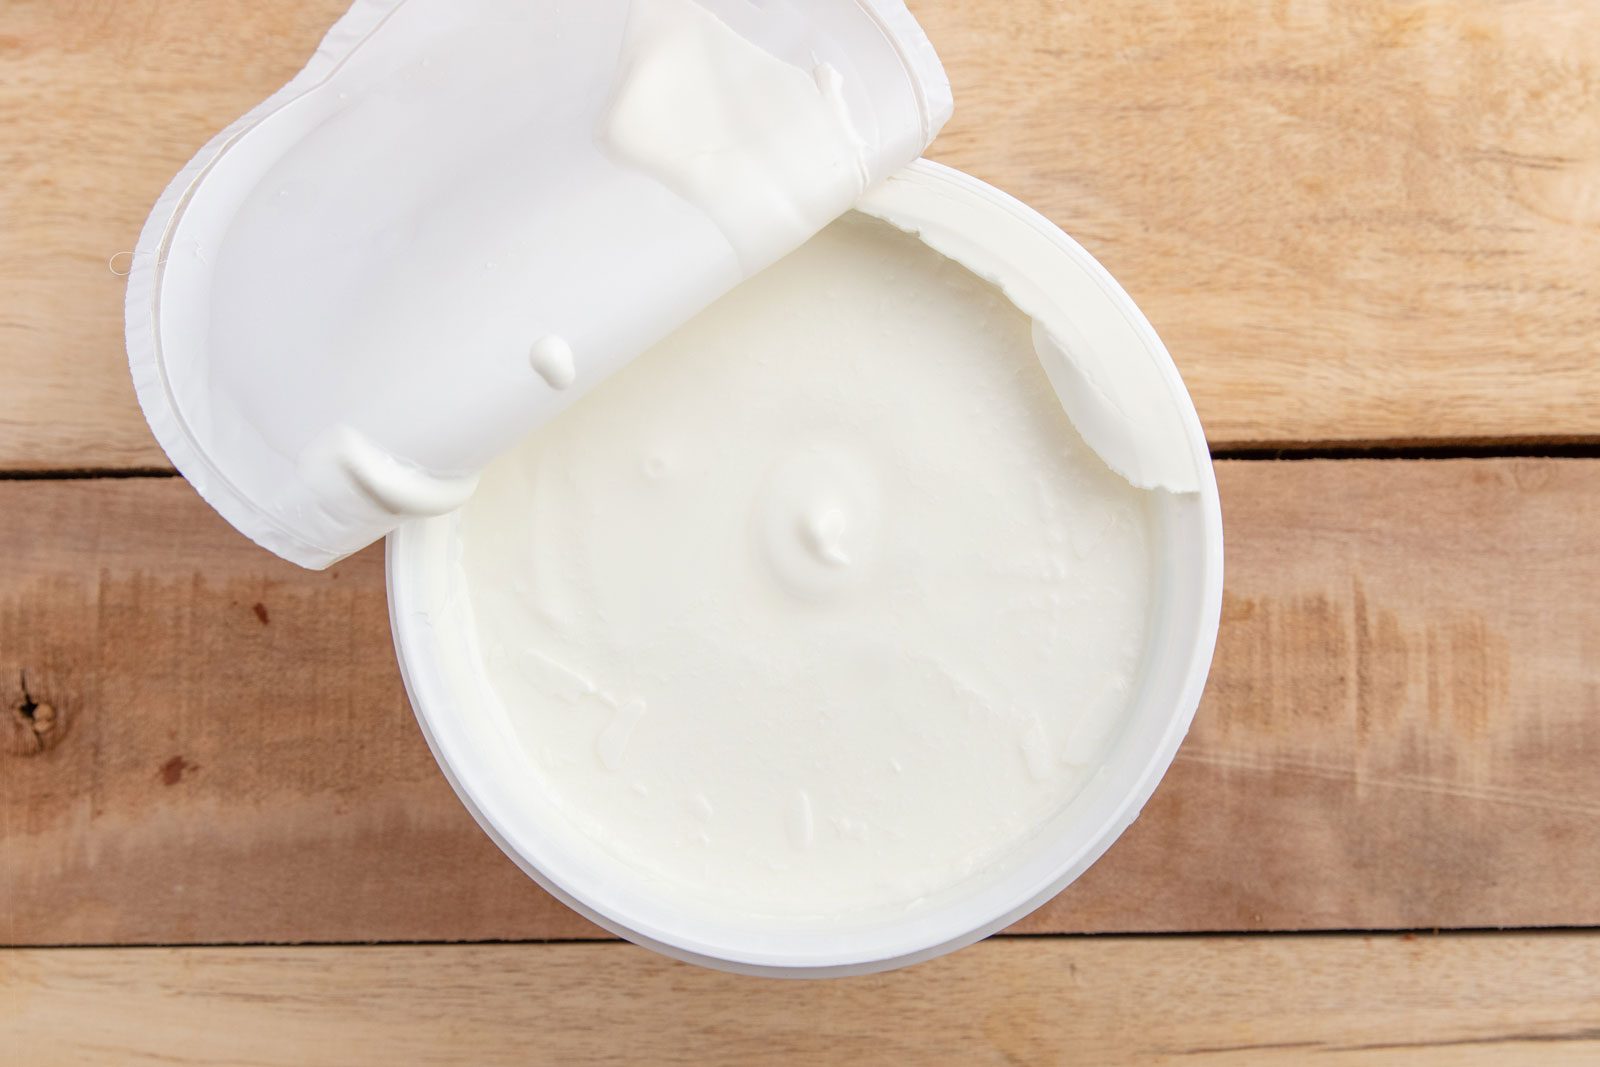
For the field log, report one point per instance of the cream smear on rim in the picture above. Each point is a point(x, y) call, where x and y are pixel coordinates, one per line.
point(822, 605)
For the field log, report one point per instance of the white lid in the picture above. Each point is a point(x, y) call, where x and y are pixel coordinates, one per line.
point(464, 213)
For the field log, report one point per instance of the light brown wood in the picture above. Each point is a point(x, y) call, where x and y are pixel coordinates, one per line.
point(100, 105)
point(1454, 1000)
point(1353, 221)
point(1401, 730)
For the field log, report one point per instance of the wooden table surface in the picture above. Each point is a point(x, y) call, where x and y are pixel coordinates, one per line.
point(1369, 231)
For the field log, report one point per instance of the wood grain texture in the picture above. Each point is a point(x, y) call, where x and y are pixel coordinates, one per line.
point(1350, 220)
point(100, 105)
point(1458, 1000)
point(1400, 731)
point(1354, 220)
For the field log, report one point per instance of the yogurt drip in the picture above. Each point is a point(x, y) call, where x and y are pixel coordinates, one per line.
point(821, 606)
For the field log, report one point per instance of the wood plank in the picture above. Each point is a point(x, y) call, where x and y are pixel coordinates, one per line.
point(1454, 1000)
point(100, 105)
point(1401, 729)
point(1351, 222)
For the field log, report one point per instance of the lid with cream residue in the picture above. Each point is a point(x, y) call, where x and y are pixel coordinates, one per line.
point(462, 214)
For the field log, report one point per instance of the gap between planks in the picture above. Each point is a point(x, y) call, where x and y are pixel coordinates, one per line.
point(1270, 452)
point(601, 937)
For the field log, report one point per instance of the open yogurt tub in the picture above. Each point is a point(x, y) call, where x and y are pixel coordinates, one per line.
point(849, 622)
point(442, 649)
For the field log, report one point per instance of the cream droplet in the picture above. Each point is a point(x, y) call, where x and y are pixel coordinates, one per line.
point(824, 534)
point(551, 359)
point(818, 519)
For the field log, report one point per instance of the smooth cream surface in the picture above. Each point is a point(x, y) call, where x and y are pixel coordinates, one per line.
point(822, 605)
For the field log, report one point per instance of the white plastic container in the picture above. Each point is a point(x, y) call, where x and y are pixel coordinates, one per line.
point(316, 430)
point(463, 214)
point(432, 637)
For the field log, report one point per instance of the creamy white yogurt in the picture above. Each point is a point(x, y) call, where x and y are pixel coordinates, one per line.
point(822, 605)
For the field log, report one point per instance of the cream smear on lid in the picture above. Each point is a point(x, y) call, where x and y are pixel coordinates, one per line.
point(464, 214)
point(766, 148)
point(823, 605)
